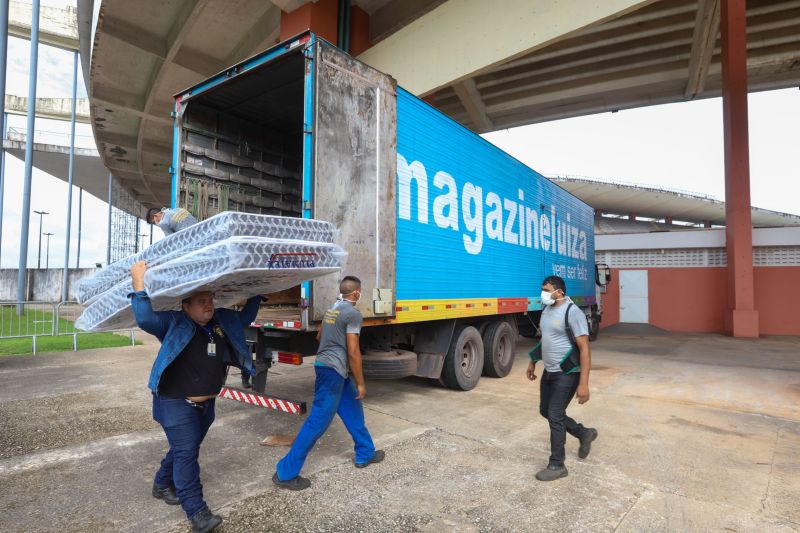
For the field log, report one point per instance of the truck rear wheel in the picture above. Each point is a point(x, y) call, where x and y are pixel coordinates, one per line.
point(500, 344)
point(464, 361)
point(394, 364)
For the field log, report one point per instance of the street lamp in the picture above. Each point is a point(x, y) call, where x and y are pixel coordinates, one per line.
point(40, 213)
point(47, 264)
point(142, 235)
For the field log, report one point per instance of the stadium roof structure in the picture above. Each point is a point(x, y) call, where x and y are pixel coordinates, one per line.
point(613, 197)
point(547, 60)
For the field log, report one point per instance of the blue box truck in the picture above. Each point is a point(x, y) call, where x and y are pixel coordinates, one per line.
point(450, 236)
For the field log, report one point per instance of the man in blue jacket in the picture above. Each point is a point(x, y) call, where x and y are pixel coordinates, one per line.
point(198, 344)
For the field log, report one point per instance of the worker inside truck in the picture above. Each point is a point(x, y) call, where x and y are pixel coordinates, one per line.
point(170, 220)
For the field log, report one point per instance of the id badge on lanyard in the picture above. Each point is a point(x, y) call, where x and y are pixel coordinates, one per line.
point(212, 346)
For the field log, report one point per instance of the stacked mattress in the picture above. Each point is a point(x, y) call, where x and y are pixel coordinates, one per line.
point(235, 255)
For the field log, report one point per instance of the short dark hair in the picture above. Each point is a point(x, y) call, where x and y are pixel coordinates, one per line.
point(349, 284)
point(150, 212)
point(557, 283)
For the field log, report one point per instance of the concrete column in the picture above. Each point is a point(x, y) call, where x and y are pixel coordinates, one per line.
point(33, 63)
point(322, 18)
point(3, 127)
point(80, 227)
point(741, 318)
point(110, 209)
point(70, 169)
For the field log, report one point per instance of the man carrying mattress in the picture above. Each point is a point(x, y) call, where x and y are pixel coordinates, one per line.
point(171, 221)
point(198, 344)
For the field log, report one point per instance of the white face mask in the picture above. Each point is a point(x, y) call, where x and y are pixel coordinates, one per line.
point(547, 298)
point(341, 297)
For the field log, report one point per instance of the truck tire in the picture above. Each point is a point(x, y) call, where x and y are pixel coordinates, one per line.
point(464, 361)
point(499, 344)
point(394, 364)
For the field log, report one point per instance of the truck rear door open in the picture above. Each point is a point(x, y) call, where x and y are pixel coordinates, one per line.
point(354, 174)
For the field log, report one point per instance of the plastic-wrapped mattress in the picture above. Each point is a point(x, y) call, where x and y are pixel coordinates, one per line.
point(222, 226)
point(233, 267)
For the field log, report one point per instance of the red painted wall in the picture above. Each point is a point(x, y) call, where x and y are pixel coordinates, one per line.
point(688, 299)
point(777, 291)
point(693, 300)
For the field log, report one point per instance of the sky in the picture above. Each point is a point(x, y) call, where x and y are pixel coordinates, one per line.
point(679, 146)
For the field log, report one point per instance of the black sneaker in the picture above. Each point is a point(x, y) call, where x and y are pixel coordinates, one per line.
point(586, 442)
point(551, 473)
point(167, 494)
point(377, 458)
point(297, 483)
point(204, 521)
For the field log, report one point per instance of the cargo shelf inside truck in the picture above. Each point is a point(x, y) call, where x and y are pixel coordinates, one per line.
point(241, 143)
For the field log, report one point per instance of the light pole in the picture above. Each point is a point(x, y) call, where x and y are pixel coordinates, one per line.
point(143, 235)
point(40, 213)
point(47, 264)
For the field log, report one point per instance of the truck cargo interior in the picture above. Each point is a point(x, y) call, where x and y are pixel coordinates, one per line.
point(242, 150)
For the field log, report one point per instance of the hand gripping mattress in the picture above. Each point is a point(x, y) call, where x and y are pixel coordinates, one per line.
point(217, 228)
point(233, 269)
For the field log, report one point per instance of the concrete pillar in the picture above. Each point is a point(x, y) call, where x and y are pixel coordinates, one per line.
point(741, 318)
point(322, 18)
point(33, 63)
point(359, 31)
point(3, 126)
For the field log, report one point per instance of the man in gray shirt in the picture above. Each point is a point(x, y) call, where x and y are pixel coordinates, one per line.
point(566, 373)
point(335, 392)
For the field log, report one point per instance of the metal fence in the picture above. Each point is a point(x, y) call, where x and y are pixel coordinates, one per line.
point(34, 320)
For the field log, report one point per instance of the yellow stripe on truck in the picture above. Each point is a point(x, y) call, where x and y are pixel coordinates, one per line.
point(420, 310)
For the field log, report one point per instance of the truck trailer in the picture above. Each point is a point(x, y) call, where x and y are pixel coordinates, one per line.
point(450, 235)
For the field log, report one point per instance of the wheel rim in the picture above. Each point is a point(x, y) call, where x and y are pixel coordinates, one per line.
point(503, 350)
point(469, 359)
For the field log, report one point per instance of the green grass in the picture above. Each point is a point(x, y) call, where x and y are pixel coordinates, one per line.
point(40, 322)
point(63, 343)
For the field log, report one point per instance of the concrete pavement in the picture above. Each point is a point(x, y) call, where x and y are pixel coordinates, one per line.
point(696, 433)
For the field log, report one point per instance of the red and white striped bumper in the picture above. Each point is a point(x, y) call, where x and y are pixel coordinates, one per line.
point(259, 400)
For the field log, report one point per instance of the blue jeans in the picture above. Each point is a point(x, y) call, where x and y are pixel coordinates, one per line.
point(556, 391)
point(333, 395)
point(186, 427)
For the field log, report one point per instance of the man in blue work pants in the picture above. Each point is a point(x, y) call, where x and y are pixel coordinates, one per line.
point(334, 390)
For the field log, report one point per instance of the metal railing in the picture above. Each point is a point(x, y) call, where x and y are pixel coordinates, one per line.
point(34, 320)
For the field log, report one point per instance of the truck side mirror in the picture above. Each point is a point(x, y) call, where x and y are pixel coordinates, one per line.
point(602, 274)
